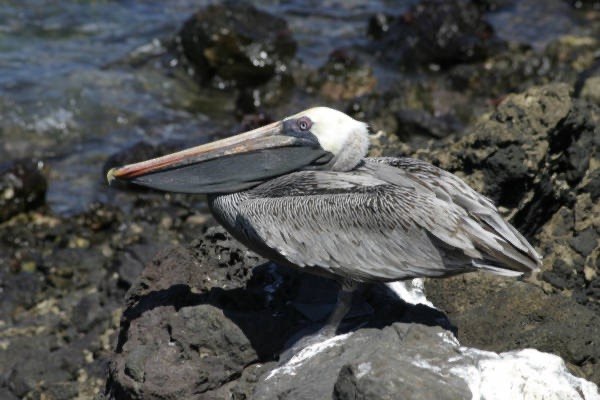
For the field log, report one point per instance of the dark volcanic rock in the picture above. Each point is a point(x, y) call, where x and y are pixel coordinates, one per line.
point(413, 124)
point(507, 156)
point(198, 324)
point(411, 361)
point(537, 156)
point(235, 44)
point(22, 187)
point(527, 318)
point(59, 302)
point(344, 76)
point(434, 32)
point(174, 341)
point(567, 59)
point(370, 364)
point(210, 318)
point(204, 322)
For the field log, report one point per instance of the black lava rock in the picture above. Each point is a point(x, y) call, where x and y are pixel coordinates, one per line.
point(22, 187)
point(371, 364)
point(528, 318)
point(344, 76)
point(212, 318)
point(236, 45)
point(434, 32)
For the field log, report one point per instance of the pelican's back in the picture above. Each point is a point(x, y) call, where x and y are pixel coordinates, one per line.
point(388, 219)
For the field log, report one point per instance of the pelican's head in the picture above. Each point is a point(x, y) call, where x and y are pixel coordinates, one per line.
point(317, 138)
point(344, 137)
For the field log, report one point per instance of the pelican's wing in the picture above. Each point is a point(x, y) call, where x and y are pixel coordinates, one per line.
point(368, 227)
point(479, 208)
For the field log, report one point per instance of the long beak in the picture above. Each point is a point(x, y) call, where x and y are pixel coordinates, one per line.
point(226, 165)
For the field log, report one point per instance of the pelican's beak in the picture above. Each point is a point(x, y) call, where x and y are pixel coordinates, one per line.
point(226, 165)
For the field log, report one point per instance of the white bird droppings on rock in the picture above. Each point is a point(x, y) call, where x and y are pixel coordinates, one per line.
point(306, 353)
point(363, 369)
point(526, 374)
point(412, 291)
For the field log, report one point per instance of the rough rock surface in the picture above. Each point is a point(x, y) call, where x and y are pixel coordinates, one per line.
point(206, 316)
point(200, 324)
point(344, 76)
point(525, 155)
point(58, 308)
point(63, 278)
point(371, 364)
point(62, 285)
point(22, 187)
point(235, 44)
point(536, 155)
point(411, 361)
point(498, 314)
point(434, 31)
point(170, 320)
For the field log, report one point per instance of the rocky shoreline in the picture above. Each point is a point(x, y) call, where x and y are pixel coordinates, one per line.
point(174, 309)
point(143, 296)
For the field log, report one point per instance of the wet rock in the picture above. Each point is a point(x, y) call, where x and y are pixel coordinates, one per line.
point(19, 291)
point(131, 261)
point(255, 100)
point(7, 394)
point(32, 373)
point(89, 311)
point(574, 52)
point(57, 315)
point(412, 113)
point(99, 217)
point(434, 32)
point(22, 187)
point(591, 4)
point(236, 45)
point(44, 356)
point(378, 25)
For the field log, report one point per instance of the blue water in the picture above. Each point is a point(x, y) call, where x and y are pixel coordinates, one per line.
point(72, 91)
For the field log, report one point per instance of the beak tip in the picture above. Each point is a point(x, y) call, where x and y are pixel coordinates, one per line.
point(110, 176)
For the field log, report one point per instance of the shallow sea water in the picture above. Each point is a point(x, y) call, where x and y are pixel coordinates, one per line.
point(72, 92)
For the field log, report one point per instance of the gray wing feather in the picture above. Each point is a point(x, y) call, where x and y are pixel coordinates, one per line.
point(379, 222)
point(344, 233)
point(485, 219)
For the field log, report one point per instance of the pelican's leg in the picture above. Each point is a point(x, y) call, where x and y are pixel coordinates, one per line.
point(343, 305)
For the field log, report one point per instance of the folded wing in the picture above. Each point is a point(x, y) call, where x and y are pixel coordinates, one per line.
point(390, 219)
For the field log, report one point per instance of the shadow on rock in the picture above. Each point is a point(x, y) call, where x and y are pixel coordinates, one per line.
point(199, 322)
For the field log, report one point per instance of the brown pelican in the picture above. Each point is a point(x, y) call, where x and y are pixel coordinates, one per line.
point(301, 192)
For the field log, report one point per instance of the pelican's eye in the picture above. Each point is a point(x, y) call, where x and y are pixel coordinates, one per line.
point(304, 123)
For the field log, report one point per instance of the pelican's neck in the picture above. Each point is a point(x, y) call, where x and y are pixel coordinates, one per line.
point(352, 152)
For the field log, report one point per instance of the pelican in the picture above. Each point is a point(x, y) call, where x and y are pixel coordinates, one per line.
point(302, 193)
